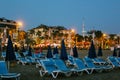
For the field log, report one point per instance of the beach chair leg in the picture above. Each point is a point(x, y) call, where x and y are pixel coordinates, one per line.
point(91, 71)
point(87, 71)
point(18, 78)
point(55, 74)
point(42, 73)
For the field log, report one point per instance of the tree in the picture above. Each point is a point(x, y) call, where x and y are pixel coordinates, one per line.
point(79, 37)
point(29, 40)
point(42, 26)
point(61, 28)
point(98, 34)
point(32, 31)
point(112, 36)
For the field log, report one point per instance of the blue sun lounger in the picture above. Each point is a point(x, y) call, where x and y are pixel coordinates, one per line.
point(113, 61)
point(60, 64)
point(80, 66)
point(91, 65)
point(99, 68)
point(117, 59)
point(5, 74)
point(48, 67)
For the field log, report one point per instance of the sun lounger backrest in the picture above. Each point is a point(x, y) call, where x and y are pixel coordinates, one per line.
point(80, 63)
point(89, 62)
point(71, 59)
point(112, 59)
point(56, 56)
point(114, 62)
point(3, 67)
point(60, 64)
point(100, 59)
point(48, 65)
point(118, 59)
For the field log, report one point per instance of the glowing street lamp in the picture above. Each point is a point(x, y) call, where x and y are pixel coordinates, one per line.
point(71, 31)
point(103, 37)
point(19, 24)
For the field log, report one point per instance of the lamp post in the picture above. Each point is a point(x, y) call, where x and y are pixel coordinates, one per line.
point(19, 24)
point(71, 31)
point(103, 37)
point(73, 34)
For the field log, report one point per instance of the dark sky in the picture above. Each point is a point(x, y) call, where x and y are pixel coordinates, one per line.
point(101, 15)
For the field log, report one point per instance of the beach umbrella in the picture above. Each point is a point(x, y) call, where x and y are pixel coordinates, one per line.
point(49, 52)
point(29, 51)
point(92, 52)
point(75, 52)
point(10, 55)
point(100, 53)
point(16, 48)
point(63, 54)
point(55, 50)
point(115, 52)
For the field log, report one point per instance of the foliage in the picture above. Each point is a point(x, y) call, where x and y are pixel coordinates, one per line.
point(29, 41)
point(79, 37)
point(98, 34)
point(112, 36)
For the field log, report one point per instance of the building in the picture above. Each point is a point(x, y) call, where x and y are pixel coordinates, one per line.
point(7, 27)
point(51, 35)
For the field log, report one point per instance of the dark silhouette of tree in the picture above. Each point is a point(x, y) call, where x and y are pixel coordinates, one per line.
point(31, 31)
point(98, 34)
point(112, 36)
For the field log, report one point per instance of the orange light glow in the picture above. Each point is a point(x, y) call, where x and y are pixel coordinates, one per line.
point(19, 23)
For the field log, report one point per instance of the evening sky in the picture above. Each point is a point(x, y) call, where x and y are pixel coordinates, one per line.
point(101, 15)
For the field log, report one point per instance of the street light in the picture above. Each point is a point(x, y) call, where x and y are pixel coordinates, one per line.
point(103, 38)
point(71, 31)
point(19, 24)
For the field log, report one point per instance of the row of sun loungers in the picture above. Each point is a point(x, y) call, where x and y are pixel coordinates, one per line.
point(55, 66)
point(24, 59)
